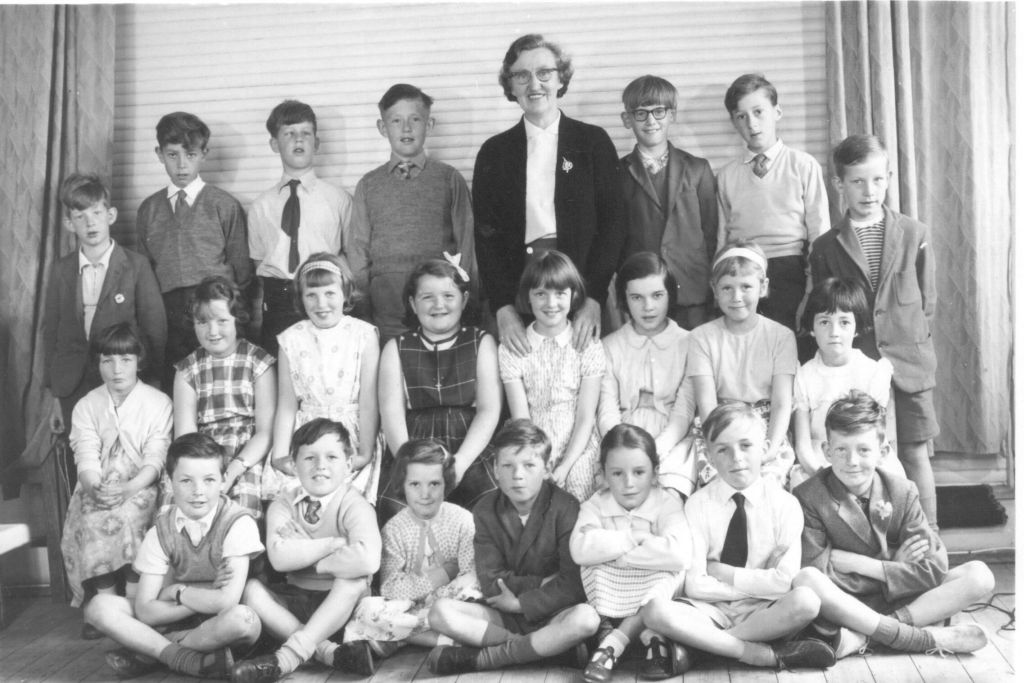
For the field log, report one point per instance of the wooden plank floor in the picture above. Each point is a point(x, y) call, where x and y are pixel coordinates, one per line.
point(42, 644)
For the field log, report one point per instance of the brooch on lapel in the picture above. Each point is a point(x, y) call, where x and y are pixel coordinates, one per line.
point(566, 165)
point(119, 298)
point(882, 509)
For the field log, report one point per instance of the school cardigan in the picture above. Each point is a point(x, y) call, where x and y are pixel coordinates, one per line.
point(588, 208)
point(834, 520)
point(688, 225)
point(190, 563)
point(211, 241)
point(904, 302)
point(523, 557)
point(129, 294)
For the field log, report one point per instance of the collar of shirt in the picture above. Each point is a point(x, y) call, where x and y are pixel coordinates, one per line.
point(192, 190)
point(84, 261)
point(722, 492)
point(325, 501)
point(647, 510)
point(308, 181)
point(563, 338)
point(204, 523)
point(771, 154)
point(419, 161)
point(663, 340)
point(533, 131)
point(653, 164)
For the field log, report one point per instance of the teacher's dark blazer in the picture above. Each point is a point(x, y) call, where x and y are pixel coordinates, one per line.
point(129, 294)
point(833, 520)
point(589, 211)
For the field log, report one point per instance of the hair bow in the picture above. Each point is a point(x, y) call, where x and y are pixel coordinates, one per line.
point(454, 261)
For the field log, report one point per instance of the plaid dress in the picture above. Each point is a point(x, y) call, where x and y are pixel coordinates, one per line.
point(226, 406)
point(440, 402)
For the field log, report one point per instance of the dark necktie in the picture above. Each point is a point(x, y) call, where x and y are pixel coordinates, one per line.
point(181, 205)
point(290, 224)
point(734, 550)
point(865, 505)
point(405, 169)
point(312, 512)
point(760, 165)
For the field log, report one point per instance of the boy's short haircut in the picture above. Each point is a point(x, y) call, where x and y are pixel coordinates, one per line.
point(316, 429)
point(423, 452)
point(855, 412)
point(835, 294)
point(727, 413)
point(289, 113)
point(737, 265)
point(182, 128)
point(638, 266)
point(649, 91)
point(746, 84)
point(532, 41)
point(629, 436)
point(403, 91)
point(218, 287)
point(854, 150)
point(520, 434)
point(121, 339)
point(194, 445)
point(553, 270)
point(79, 191)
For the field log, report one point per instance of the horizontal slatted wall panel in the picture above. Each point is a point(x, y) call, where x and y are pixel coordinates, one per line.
point(231, 64)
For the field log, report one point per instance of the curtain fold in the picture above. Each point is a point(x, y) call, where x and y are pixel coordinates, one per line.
point(934, 82)
point(56, 99)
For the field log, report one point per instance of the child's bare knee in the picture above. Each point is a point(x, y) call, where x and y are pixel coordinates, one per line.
point(241, 623)
point(440, 613)
point(584, 621)
point(803, 604)
point(980, 581)
point(101, 608)
point(655, 614)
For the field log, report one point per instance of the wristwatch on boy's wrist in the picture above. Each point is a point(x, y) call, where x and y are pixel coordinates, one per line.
point(177, 595)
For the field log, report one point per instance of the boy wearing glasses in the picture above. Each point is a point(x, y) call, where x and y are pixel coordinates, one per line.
point(670, 197)
point(773, 195)
point(411, 208)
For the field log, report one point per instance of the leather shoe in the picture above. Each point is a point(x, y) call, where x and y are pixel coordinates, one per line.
point(262, 669)
point(355, 657)
point(573, 658)
point(659, 662)
point(127, 664)
point(599, 668)
point(445, 660)
point(805, 654)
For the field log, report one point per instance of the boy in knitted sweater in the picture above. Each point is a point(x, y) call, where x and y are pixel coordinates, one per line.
point(323, 535)
point(188, 230)
point(410, 209)
point(192, 568)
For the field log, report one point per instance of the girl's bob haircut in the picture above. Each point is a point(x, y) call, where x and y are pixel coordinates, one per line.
point(638, 266)
point(553, 270)
point(629, 436)
point(423, 452)
point(219, 288)
point(738, 263)
point(324, 269)
point(121, 339)
point(838, 295)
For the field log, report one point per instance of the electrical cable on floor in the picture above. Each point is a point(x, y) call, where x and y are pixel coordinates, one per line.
point(1011, 613)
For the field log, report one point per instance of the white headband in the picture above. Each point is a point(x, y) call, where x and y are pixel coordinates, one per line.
point(743, 252)
point(321, 265)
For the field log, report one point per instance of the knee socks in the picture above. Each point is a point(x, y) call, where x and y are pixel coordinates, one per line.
point(190, 662)
point(519, 650)
point(892, 633)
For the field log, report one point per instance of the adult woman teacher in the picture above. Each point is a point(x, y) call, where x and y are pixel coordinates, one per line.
point(548, 182)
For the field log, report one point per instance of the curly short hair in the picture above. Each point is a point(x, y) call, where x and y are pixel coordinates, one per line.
point(219, 288)
point(533, 41)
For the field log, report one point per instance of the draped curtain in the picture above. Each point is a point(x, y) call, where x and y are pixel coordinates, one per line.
point(934, 81)
point(57, 105)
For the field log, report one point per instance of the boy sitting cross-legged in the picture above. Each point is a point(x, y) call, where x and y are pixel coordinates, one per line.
point(192, 565)
point(869, 553)
point(746, 550)
point(323, 534)
point(535, 604)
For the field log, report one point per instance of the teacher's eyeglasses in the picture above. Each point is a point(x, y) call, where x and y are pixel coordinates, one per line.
point(523, 77)
point(657, 112)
